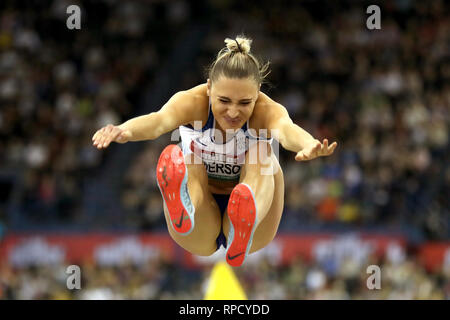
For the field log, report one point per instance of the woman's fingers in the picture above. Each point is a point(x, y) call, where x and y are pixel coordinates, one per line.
point(97, 138)
point(103, 137)
point(327, 149)
point(318, 150)
point(325, 145)
point(300, 156)
point(107, 135)
point(333, 146)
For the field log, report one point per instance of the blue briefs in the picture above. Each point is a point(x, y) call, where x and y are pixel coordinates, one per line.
point(222, 202)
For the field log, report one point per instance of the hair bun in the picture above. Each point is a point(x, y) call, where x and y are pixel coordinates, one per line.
point(240, 66)
point(244, 44)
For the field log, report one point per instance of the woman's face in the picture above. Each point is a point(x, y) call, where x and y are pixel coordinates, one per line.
point(232, 101)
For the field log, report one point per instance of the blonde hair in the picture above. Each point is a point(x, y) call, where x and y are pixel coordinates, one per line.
point(236, 61)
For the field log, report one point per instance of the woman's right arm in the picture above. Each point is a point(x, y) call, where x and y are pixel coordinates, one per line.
point(179, 110)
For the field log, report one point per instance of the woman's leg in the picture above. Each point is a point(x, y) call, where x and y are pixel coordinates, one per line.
point(258, 172)
point(202, 239)
point(267, 229)
point(269, 198)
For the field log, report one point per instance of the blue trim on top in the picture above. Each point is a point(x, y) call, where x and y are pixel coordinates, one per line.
point(209, 122)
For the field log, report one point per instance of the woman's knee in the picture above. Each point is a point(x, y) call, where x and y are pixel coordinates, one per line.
point(196, 243)
point(258, 245)
point(205, 249)
point(201, 241)
point(200, 247)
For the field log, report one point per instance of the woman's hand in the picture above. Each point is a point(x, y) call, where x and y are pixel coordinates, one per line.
point(103, 137)
point(316, 149)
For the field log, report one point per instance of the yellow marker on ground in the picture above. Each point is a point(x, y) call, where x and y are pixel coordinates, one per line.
point(223, 284)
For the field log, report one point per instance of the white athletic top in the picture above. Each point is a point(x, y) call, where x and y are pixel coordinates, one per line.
point(223, 161)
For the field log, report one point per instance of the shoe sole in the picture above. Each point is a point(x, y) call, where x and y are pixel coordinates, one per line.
point(172, 177)
point(242, 215)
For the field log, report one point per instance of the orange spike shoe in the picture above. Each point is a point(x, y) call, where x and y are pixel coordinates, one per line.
point(242, 215)
point(172, 177)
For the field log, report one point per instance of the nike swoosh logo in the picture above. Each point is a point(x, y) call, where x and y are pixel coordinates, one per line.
point(178, 225)
point(235, 256)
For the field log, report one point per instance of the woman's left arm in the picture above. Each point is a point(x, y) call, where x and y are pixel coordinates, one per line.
point(294, 138)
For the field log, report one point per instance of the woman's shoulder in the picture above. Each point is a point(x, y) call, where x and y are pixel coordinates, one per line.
point(264, 102)
point(199, 91)
point(265, 109)
point(198, 95)
point(199, 101)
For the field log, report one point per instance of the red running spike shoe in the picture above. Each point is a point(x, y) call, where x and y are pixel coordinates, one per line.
point(172, 177)
point(242, 215)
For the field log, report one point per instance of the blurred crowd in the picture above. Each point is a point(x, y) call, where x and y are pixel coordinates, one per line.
point(383, 95)
point(400, 280)
point(58, 86)
point(158, 279)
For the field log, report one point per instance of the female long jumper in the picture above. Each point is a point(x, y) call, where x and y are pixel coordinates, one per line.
point(225, 185)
